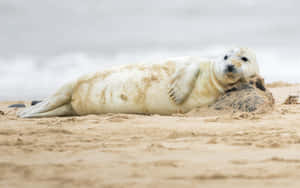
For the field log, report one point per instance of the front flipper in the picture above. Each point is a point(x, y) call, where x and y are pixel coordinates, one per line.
point(183, 82)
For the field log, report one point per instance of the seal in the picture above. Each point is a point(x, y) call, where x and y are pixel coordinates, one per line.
point(165, 87)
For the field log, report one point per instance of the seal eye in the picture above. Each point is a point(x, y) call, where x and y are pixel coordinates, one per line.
point(244, 59)
point(225, 57)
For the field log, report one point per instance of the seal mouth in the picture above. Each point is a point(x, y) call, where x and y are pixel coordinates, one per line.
point(232, 77)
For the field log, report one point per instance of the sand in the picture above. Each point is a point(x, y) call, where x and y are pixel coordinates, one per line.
point(119, 150)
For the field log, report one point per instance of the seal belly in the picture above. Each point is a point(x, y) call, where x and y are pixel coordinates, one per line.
point(140, 89)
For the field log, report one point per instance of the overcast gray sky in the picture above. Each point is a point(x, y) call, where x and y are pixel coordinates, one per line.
point(51, 27)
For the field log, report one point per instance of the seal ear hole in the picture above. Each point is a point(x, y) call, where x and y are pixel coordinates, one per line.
point(245, 59)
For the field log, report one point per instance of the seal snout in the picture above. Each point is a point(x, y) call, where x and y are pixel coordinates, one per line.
point(230, 68)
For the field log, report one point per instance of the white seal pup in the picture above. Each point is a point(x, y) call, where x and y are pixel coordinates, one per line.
point(166, 87)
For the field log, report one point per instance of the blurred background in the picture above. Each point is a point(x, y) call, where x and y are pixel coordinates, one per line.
point(46, 43)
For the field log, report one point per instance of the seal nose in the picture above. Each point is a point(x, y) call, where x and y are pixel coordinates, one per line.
point(230, 68)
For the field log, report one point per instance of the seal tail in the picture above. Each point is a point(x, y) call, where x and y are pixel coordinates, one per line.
point(56, 105)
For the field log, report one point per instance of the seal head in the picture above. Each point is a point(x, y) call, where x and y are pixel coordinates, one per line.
point(234, 65)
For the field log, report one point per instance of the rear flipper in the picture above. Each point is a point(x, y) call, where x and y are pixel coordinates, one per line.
point(64, 110)
point(56, 105)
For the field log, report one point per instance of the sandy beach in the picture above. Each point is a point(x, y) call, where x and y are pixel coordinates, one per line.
point(120, 150)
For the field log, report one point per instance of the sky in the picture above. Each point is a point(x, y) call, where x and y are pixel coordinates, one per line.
point(53, 27)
